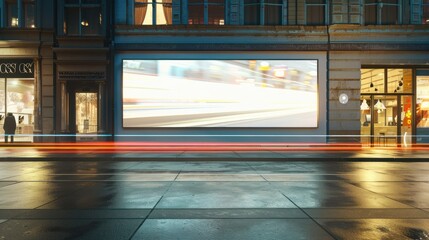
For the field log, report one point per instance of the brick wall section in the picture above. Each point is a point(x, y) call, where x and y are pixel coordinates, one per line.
point(344, 119)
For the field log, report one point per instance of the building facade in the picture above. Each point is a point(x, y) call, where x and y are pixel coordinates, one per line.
point(218, 70)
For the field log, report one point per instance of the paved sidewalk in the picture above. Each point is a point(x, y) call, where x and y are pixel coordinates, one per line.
point(213, 200)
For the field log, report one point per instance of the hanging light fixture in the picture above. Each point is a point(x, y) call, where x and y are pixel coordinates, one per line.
point(401, 83)
point(379, 106)
point(364, 105)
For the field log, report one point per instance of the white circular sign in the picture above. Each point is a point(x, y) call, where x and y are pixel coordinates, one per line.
point(343, 98)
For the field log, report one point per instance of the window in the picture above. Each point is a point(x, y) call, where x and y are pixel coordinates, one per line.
point(17, 97)
point(206, 12)
point(425, 7)
point(153, 12)
point(382, 12)
point(82, 17)
point(264, 12)
point(20, 13)
point(316, 12)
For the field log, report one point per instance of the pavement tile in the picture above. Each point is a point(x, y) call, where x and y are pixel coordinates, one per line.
point(69, 229)
point(335, 194)
point(285, 177)
point(223, 195)
point(212, 229)
point(368, 229)
point(240, 177)
point(217, 167)
point(40, 176)
point(145, 177)
point(27, 195)
point(7, 183)
point(366, 213)
point(12, 213)
point(228, 213)
point(415, 194)
point(112, 195)
point(84, 214)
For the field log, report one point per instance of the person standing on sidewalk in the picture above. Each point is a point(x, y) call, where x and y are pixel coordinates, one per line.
point(9, 127)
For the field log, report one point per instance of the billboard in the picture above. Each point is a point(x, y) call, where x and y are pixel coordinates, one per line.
point(220, 93)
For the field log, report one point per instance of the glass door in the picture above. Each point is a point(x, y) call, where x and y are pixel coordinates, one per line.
point(86, 113)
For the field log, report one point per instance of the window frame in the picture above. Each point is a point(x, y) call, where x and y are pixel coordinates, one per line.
point(152, 5)
point(206, 4)
point(325, 17)
point(80, 6)
point(379, 8)
point(4, 22)
point(262, 18)
point(425, 21)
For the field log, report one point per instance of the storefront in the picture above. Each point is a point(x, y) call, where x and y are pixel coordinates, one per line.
point(394, 106)
point(17, 95)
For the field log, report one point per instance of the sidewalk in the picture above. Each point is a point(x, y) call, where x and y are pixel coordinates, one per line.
point(210, 151)
point(216, 200)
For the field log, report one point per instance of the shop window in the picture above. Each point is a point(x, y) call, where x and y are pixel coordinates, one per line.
point(26, 19)
point(422, 96)
point(316, 12)
point(82, 17)
point(17, 97)
point(382, 12)
point(153, 12)
point(206, 12)
point(264, 12)
point(372, 80)
point(425, 7)
point(399, 80)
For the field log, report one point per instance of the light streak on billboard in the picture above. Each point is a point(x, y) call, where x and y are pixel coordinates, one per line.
point(220, 93)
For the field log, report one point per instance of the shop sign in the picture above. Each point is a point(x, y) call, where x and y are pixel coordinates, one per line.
point(81, 75)
point(16, 68)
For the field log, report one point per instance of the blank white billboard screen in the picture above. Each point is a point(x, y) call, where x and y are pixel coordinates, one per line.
point(220, 93)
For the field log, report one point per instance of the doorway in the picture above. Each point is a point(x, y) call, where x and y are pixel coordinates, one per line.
point(386, 120)
point(86, 112)
point(80, 114)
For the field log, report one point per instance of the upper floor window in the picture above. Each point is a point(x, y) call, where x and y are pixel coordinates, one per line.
point(206, 12)
point(382, 12)
point(425, 7)
point(20, 13)
point(153, 12)
point(316, 12)
point(264, 12)
point(82, 17)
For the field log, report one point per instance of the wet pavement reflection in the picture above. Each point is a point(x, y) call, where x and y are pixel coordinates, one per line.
point(94, 199)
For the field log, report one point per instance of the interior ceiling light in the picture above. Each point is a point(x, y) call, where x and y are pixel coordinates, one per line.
point(364, 105)
point(379, 105)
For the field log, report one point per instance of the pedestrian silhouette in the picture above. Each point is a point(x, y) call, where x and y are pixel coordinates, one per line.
point(9, 127)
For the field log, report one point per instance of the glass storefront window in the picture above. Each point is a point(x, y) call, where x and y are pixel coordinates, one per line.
point(17, 97)
point(399, 80)
point(422, 108)
point(372, 80)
